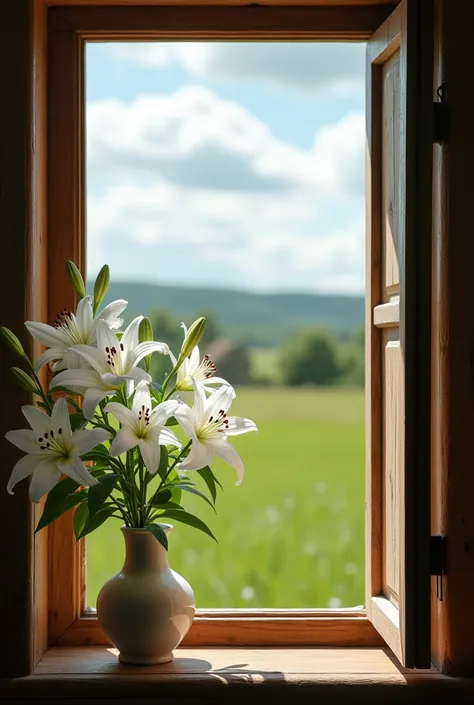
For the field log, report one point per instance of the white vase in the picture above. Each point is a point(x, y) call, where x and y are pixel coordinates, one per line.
point(146, 609)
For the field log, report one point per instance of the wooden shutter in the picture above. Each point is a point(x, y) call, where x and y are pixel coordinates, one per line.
point(399, 150)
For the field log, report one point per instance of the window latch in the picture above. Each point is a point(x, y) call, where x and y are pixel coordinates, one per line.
point(440, 116)
point(438, 562)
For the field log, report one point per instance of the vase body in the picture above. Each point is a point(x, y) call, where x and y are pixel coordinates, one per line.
point(146, 609)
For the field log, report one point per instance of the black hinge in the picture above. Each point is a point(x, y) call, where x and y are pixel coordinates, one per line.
point(440, 116)
point(438, 562)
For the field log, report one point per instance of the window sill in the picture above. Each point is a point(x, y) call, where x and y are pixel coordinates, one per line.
point(200, 674)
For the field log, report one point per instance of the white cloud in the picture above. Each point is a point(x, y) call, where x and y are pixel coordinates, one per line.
point(193, 172)
point(193, 138)
point(335, 68)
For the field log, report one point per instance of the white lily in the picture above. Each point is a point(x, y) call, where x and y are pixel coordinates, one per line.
point(52, 449)
point(74, 329)
point(113, 362)
point(193, 367)
point(208, 426)
point(144, 427)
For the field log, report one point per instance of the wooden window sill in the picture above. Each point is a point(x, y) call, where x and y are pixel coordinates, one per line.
point(93, 674)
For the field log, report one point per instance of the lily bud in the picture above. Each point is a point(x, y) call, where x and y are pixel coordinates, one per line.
point(12, 342)
point(192, 338)
point(145, 333)
point(24, 380)
point(101, 285)
point(76, 280)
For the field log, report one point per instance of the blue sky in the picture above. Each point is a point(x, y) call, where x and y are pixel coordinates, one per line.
point(227, 165)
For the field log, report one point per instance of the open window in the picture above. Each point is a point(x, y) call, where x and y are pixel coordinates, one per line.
point(399, 103)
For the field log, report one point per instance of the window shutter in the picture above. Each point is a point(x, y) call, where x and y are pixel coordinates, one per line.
point(399, 155)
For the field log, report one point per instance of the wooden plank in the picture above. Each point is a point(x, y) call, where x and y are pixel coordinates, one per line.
point(252, 631)
point(387, 315)
point(147, 3)
point(66, 241)
point(386, 618)
point(393, 452)
point(455, 340)
point(391, 134)
point(250, 22)
point(22, 297)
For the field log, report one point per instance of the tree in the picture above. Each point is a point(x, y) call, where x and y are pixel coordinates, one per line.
point(310, 358)
point(353, 359)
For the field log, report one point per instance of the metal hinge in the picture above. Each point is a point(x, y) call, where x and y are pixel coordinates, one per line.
point(440, 116)
point(438, 562)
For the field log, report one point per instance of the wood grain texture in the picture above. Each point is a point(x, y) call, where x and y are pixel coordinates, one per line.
point(223, 3)
point(399, 62)
point(393, 413)
point(333, 675)
point(248, 22)
point(22, 297)
point(386, 618)
point(387, 315)
point(456, 342)
point(252, 631)
point(66, 241)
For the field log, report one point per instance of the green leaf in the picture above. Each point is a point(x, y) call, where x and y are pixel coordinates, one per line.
point(171, 421)
point(61, 498)
point(160, 497)
point(163, 466)
point(168, 505)
point(189, 519)
point(77, 420)
point(159, 534)
point(210, 480)
point(80, 517)
point(93, 523)
point(193, 490)
point(98, 494)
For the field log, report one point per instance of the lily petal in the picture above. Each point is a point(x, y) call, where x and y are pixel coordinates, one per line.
point(94, 356)
point(123, 441)
point(168, 438)
point(150, 452)
point(38, 420)
point(48, 356)
point(24, 467)
point(87, 439)
point(145, 349)
point(48, 335)
point(199, 400)
point(74, 468)
point(162, 412)
point(92, 398)
point(60, 420)
point(110, 313)
point(238, 425)
point(24, 439)
point(220, 399)
point(84, 317)
point(45, 477)
point(141, 398)
point(124, 415)
point(230, 456)
point(185, 417)
point(136, 374)
point(130, 335)
point(201, 455)
point(77, 378)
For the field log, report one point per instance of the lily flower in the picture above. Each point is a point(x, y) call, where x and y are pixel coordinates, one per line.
point(113, 362)
point(52, 448)
point(208, 426)
point(193, 367)
point(143, 426)
point(73, 329)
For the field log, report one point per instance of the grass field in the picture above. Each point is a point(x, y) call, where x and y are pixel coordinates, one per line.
point(292, 535)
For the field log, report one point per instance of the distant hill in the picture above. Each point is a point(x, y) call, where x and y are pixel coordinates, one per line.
point(252, 319)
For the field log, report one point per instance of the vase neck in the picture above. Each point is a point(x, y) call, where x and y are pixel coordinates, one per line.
point(143, 551)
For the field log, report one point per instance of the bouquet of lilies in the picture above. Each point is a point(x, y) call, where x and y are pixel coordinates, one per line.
point(101, 438)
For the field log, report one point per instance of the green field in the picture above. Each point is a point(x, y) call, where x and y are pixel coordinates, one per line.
point(292, 535)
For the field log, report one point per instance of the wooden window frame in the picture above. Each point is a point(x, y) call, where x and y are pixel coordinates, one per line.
point(28, 573)
point(69, 30)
